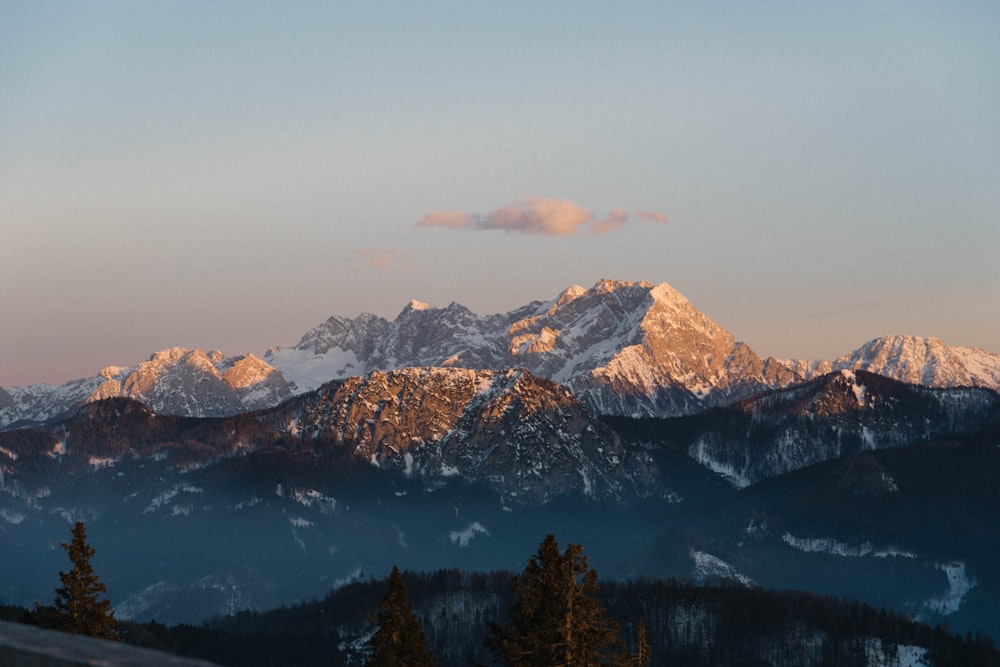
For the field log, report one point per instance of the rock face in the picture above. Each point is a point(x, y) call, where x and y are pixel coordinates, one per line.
point(526, 439)
point(623, 348)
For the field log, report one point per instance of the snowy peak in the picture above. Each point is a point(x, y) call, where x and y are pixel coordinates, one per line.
point(622, 347)
point(925, 361)
point(192, 382)
point(177, 381)
point(416, 305)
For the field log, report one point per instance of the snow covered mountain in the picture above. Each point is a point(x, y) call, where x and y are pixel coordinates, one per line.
point(925, 361)
point(176, 381)
point(623, 348)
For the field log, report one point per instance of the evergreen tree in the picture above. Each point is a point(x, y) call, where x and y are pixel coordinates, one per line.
point(556, 619)
point(78, 608)
point(399, 640)
point(643, 656)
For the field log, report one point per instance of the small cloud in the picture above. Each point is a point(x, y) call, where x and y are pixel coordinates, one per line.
point(537, 215)
point(652, 216)
point(377, 258)
point(449, 219)
point(616, 219)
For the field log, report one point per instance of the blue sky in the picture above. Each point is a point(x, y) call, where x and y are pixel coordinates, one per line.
point(229, 174)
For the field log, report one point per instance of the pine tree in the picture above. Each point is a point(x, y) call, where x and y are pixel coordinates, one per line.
point(78, 608)
point(556, 619)
point(399, 640)
point(643, 656)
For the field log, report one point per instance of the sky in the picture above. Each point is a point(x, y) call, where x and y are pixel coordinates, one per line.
point(227, 175)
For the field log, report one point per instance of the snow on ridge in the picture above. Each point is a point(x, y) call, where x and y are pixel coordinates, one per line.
point(706, 565)
point(829, 545)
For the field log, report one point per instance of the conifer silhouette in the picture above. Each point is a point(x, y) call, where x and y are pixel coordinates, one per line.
point(557, 619)
point(78, 608)
point(399, 640)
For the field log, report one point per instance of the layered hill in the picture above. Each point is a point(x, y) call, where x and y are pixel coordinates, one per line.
point(524, 439)
point(435, 467)
point(830, 417)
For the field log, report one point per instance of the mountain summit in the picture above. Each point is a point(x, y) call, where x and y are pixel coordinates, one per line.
point(623, 348)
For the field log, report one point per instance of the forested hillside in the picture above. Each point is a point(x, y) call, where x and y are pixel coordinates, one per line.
point(687, 624)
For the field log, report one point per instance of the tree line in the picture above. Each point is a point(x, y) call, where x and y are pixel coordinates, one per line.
point(554, 613)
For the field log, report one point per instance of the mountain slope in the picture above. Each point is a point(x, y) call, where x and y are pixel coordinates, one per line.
point(830, 417)
point(909, 528)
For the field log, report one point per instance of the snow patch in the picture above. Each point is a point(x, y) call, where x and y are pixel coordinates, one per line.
point(100, 463)
point(314, 499)
point(180, 510)
point(959, 584)
point(462, 538)
point(307, 371)
point(700, 452)
point(11, 516)
point(879, 654)
point(706, 565)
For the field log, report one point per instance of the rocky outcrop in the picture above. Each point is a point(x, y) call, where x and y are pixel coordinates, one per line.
point(528, 440)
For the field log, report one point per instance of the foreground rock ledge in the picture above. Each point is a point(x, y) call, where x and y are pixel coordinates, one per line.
point(27, 646)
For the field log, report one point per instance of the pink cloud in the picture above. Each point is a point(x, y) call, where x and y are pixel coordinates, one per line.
point(616, 219)
point(377, 258)
point(537, 215)
point(449, 219)
point(652, 216)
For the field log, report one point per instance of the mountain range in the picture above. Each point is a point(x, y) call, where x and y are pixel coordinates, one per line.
point(622, 348)
point(619, 417)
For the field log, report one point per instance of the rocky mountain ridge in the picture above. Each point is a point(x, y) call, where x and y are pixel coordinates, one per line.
point(524, 439)
point(623, 348)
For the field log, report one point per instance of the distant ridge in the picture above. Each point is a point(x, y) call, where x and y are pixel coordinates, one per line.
point(623, 348)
